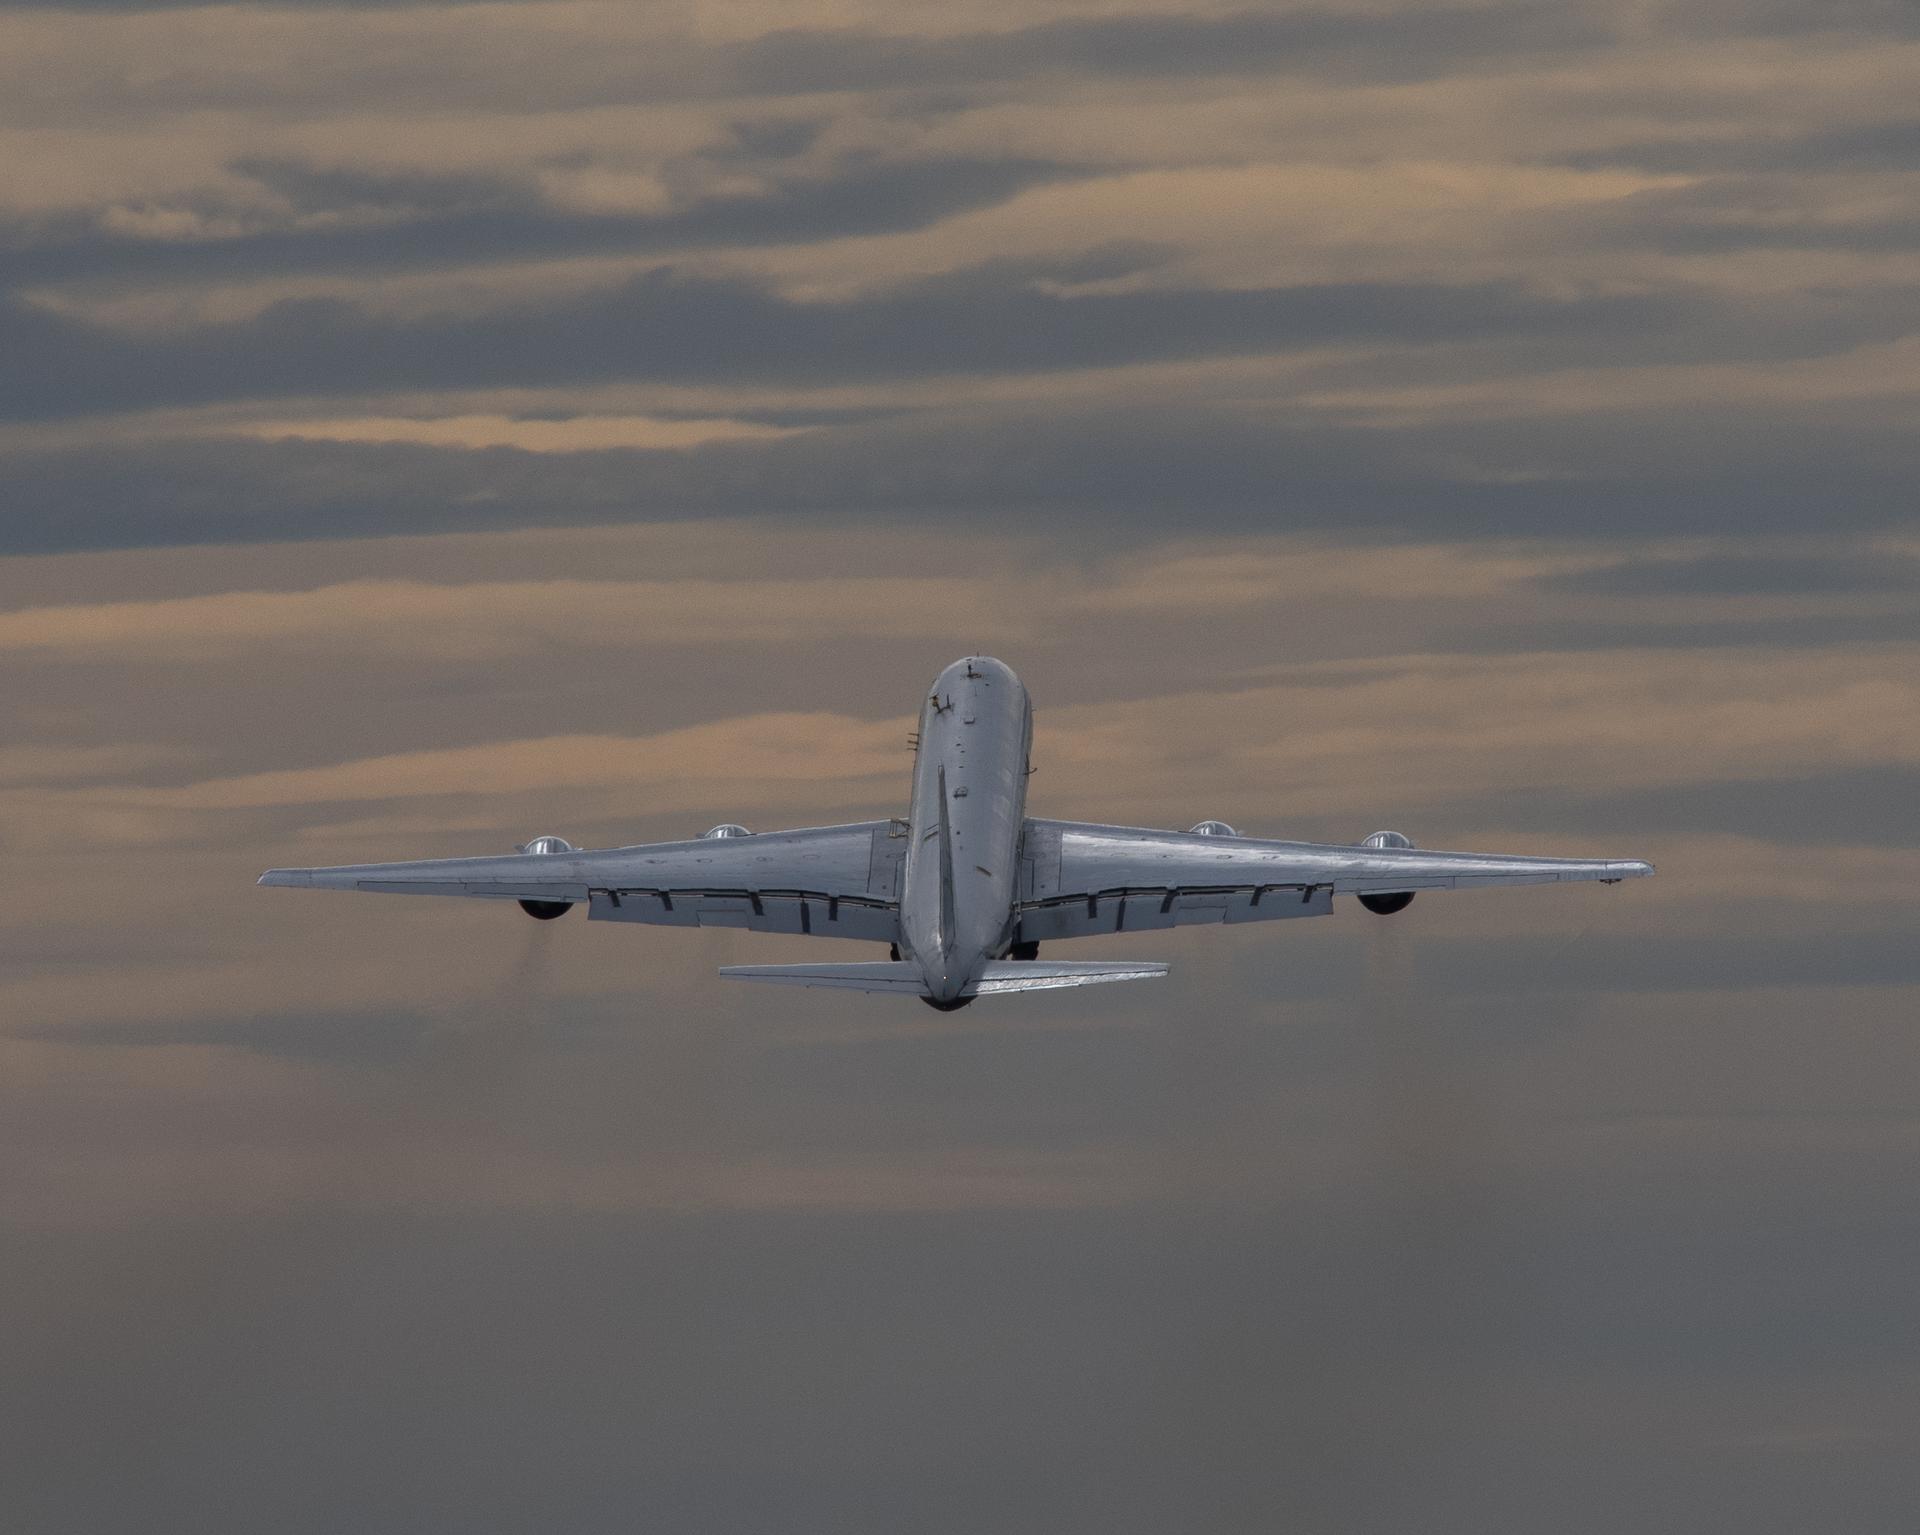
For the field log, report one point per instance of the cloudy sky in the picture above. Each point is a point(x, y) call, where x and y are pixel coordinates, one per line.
point(427, 426)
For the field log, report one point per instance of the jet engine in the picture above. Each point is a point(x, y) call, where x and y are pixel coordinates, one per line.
point(725, 829)
point(1211, 829)
point(546, 911)
point(1385, 903)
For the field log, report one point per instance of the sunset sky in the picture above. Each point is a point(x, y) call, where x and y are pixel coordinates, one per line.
point(427, 426)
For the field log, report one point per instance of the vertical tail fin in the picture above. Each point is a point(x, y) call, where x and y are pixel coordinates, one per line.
point(946, 871)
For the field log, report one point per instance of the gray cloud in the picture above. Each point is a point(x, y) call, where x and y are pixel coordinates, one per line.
point(1734, 212)
point(1873, 807)
point(430, 220)
point(1424, 41)
point(1731, 573)
point(1409, 43)
point(670, 325)
point(673, 325)
point(1634, 631)
point(90, 7)
point(1866, 957)
point(335, 1039)
point(309, 188)
point(1788, 18)
point(1124, 469)
point(1891, 145)
point(1475, 1342)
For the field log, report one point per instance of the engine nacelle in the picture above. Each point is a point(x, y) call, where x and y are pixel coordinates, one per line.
point(1211, 829)
point(1385, 903)
point(546, 911)
point(725, 829)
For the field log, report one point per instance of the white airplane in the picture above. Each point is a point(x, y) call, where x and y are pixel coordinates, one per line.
point(967, 887)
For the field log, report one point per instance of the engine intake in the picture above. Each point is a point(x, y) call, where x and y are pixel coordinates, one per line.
point(546, 911)
point(1385, 903)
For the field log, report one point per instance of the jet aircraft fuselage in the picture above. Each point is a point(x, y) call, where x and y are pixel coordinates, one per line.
point(968, 810)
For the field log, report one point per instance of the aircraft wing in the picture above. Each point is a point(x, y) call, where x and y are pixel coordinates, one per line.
point(835, 881)
point(1078, 879)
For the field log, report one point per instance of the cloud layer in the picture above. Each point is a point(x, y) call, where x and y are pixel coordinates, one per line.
point(423, 427)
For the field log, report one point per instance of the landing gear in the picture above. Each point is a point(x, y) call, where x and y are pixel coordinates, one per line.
point(1029, 950)
point(893, 952)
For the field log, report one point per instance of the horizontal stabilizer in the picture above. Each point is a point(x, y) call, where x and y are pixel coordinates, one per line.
point(1045, 975)
point(903, 978)
point(896, 976)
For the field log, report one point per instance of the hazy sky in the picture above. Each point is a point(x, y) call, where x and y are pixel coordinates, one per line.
point(424, 427)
